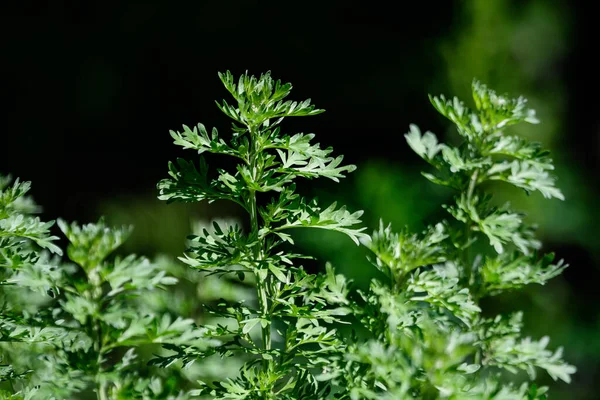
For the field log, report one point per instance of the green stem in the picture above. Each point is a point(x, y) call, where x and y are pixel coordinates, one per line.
point(478, 357)
point(472, 184)
point(95, 295)
point(467, 253)
point(257, 248)
point(101, 390)
point(261, 280)
point(254, 221)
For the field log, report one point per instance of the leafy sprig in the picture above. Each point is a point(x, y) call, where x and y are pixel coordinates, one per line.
point(427, 337)
point(73, 328)
point(78, 327)
point(286, 333)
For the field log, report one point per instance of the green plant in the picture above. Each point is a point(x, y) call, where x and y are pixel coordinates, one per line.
point(22, 235)
point(428, 335)
point(287, 333)
point(70, 330)
point(73, 329)
point(424, 334)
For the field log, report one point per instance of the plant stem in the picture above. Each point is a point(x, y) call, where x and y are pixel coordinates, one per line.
point(96, 328)
point(467, 252)
point(261, 279)
point(101, 392)
point(472, 184)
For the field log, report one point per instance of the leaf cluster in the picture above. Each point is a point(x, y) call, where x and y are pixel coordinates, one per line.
point(287, 333)
point(82, 326)
point(70, 328)
point(428, 336)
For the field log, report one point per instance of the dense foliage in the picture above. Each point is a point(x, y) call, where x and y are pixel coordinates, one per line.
point(69, 329)
point(430, 338)
point(287, 333)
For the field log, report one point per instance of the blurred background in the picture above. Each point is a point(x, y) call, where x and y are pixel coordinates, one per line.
point(91, 90)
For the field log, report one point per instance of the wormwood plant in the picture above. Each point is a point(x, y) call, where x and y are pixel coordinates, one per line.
point(22, 235)
point(424, 332)
point(69, 330)
point(429, 337)
point(286, 334)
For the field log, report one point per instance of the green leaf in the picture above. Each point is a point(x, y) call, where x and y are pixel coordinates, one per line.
point(513, 271)
point(191, 184)
point(425, 145)
point(279, 274)
point(439, 287)
point(397, 254)
point(332, 218)
point(199, 139)
point(527, 175)
point(90, 244)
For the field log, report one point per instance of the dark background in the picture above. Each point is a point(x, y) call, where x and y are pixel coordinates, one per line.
point(91, 89)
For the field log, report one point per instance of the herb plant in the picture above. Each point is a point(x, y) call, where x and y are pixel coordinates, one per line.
point(426, 335)
point(429, 335)
point(22, 237)
point(286, 333)
point(72, 329)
